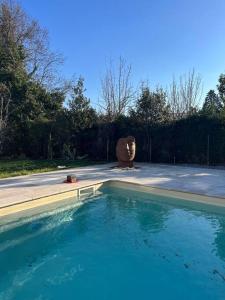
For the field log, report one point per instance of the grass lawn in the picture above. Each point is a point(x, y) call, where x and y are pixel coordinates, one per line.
point(10, 168)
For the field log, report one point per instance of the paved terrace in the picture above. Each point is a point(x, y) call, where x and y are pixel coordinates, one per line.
point(205, 181)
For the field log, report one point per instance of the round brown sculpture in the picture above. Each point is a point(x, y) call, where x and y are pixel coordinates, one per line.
point(125, 152)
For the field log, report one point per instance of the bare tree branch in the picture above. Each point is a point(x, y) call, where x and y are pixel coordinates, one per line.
point(17, 28)
point(184, 96)
point(116, 90)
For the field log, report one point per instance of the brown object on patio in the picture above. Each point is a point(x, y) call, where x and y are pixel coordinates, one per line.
point(71, 179)
point(125, 152)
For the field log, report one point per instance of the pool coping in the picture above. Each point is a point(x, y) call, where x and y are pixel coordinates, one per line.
point(45, 200)
point(76, 192)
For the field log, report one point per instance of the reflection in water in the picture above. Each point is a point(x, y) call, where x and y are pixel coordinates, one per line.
point(150, 215)
point(220, 238)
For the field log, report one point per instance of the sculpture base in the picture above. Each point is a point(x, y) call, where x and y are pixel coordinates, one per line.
point(125, 164)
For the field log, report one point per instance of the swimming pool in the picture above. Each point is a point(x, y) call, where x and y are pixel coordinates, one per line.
point(119, 244)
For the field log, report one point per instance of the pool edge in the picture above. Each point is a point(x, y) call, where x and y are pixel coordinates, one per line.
point(75, 192)
point(45, 200)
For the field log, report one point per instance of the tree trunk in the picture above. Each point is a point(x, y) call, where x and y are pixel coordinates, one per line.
point(50, 146)
point(107, 149)
point(208, 143)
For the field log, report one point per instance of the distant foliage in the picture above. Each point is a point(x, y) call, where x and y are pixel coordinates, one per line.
point(80, 113)
point(213, 104)
point(151, 107)
point(42, 116)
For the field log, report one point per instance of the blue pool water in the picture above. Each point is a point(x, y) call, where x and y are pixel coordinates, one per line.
point(119, 245)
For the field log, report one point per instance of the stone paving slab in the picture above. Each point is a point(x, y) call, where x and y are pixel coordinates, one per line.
point(210, 182)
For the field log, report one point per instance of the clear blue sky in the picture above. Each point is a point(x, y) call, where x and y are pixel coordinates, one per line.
point(160, 38)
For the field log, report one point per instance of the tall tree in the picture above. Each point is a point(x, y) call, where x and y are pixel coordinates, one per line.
point(212, 105)
point(22, 36)
point(26, 69)
point(184, 95)
point(221, 88)
point(151, 106)
point(5, 99)
point(151, 109)
point(82, 115)
point(116, 90)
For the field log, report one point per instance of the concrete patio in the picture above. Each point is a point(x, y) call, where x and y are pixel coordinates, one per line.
point(204, 181)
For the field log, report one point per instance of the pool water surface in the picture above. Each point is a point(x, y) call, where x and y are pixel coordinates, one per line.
point(118, 245)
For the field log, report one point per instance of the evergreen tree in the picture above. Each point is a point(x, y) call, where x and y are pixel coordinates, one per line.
point(81, 114)
point(151, 109)
point(81, 118)
point(212, 105)
point(221, 87)
point(25, 99)
point(151, 106)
